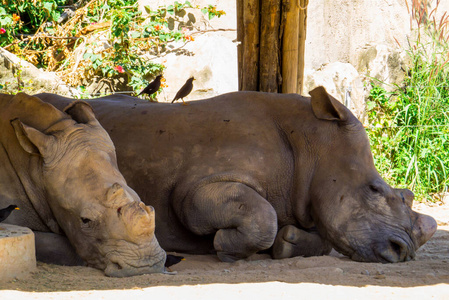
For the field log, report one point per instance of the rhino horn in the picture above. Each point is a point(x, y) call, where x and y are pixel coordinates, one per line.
point(424, 228)
point(116, 190)
point(32, 140)
point(81, 112)
point(140, 218)
point(326, 107)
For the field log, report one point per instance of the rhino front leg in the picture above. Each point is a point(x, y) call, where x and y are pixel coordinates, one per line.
point(52, 248)
point(292, 241)
point(242, 220)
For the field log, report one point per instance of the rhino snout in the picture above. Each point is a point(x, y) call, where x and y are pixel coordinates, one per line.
point(423, 229)
point(119, 268)
point(397, 249)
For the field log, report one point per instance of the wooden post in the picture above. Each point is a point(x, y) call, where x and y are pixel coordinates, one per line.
point(248, 32)
point(290, 46)
point(279, 27)
point(239, 45)
point(269, 64)
point(302, 44)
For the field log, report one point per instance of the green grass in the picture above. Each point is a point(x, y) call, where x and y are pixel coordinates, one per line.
point(409, 128)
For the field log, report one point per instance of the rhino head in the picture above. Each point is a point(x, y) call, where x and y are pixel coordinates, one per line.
point(351, 205)
point(74, 160)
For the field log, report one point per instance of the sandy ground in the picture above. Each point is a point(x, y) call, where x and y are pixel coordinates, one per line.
point(205, 277)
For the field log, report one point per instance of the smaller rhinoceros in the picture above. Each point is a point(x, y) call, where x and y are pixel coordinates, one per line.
point(60, 168)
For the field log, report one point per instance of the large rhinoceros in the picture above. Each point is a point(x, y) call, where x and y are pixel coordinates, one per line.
point(246, 171)
point(60, 168)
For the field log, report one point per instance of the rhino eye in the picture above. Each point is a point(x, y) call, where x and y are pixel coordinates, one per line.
point(374, 188)
point(85, 220)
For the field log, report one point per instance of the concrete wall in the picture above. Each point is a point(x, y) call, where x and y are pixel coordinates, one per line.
point(339, 30)
point(344, 31)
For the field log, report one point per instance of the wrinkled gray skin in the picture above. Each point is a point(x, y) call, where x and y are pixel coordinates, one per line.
point(60, 168)
point(247, 171)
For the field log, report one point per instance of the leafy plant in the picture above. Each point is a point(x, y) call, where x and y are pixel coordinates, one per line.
point(409, 127)
point(212, 12)
point(110, 36)
point(26, 17)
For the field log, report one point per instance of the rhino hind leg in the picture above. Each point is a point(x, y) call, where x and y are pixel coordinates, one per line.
point(242, 220)
point(292, 241)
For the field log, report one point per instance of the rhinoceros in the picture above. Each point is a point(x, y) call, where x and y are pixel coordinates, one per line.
point(60, 168)
point(248, 171)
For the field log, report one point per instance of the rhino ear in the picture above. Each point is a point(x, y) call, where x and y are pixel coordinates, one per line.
point(81, 112)
point(326, 107)
point(32, 140)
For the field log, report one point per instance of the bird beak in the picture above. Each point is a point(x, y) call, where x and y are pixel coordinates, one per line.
point(17, 208)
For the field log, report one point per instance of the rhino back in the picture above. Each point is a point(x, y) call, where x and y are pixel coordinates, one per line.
point(166, 150)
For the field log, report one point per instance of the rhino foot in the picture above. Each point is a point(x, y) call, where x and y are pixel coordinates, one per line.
point(242, 220)
point(291, 241)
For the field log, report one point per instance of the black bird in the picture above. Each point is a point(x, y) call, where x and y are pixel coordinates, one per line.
point(152, 87)
point(172, 260)
point(184, 91)
point(5, 212)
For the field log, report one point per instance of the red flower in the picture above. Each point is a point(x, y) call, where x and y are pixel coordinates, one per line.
point(119, 69)
point(189, 38)
point(2, 30)
point(157, 27)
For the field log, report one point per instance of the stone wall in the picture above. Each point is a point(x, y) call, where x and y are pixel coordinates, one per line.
point(353, 39)
point(340, 30)
point(361, 33)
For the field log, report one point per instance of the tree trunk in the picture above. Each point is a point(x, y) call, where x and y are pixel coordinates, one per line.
point(302, 44)
point(290, 46)
point(269, 68)
point(249, 49)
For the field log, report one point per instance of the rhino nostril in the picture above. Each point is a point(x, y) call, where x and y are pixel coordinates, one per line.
point(117, 266)
point(399, 250)
point(396, 248)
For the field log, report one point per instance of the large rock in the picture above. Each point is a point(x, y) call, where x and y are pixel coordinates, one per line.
point(342, 81)
point(384, 64)
point(14, 70)
point(211, 58)
point(336, 30)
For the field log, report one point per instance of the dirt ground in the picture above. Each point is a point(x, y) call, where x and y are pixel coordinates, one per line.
point(205, 277)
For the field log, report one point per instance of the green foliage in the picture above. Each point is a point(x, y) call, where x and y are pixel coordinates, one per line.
point(128, 33)
point(212, 11)
point(409, 128)
point(25, 17)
